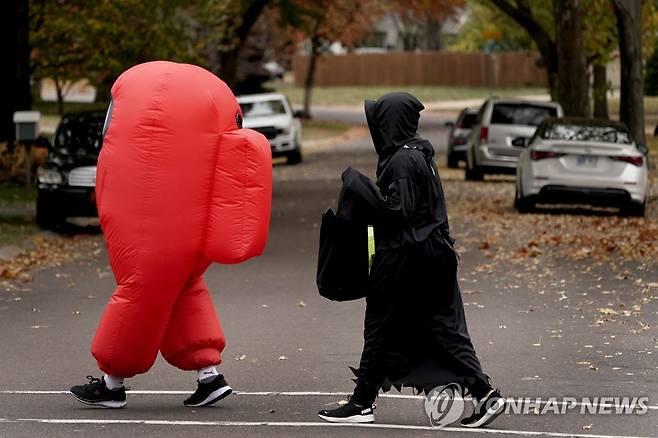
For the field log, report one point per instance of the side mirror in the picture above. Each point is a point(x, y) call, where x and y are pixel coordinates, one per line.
point(299, 114)
point(520, 142)
point(643, 148)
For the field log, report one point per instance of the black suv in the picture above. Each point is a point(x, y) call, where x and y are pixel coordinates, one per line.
point(67, 180)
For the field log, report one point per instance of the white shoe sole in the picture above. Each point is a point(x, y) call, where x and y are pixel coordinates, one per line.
point(110, 404)
point(492, 413)
point(213, 397)
point(370, 418)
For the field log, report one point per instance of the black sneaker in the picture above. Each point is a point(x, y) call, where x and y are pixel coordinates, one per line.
point(486, 411)
point(96, 393)
point(349, 413)
point(209, 393)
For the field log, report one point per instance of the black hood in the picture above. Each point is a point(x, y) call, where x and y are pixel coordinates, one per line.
point(393, 122)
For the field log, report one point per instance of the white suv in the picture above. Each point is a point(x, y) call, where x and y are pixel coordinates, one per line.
point(500, 133)
point(271, 115)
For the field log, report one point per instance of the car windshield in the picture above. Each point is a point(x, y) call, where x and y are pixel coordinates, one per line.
point(468, 120)
point(596, 133)
point(80, 135)
point(263, 109)
point(521, 114)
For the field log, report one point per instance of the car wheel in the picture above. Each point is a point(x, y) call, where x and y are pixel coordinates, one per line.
point(523, 204)
point(452, 162)
point(473, 173)
point(48, 215)
point(295, 157)
point(634, 209)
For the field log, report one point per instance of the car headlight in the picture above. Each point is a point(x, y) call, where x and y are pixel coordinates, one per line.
point(285, 130)
point(49, 176)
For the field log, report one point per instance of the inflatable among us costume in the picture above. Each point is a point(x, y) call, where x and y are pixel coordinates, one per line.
point(179, 185)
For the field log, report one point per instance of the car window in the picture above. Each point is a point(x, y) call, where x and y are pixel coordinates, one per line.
point(263, 109)
point(467, 120)
point(79, 134)
point(520, 114)
point(574, 132)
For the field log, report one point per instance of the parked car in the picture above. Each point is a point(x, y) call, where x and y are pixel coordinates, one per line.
point(500, 132)
point(458, 136)
point(582, 161)
point(271, 115)
point(67, 179)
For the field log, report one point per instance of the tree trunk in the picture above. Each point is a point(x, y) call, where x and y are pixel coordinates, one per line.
point(60, 96)
point(600, 91)
point(15, 70)
point(229, 59)
point(573, 86)
point(432, 33)
point(631, 102)
point(522, 14)
point(310, 75)
point(228, 62)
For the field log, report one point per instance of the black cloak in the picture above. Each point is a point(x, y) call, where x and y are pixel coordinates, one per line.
point(415, 330)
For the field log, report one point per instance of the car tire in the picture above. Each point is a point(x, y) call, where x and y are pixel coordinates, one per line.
point(473, 174)
point(48, 216)
point(523, 204)
point(452, 162)
point(294, 157)
point(634, 209)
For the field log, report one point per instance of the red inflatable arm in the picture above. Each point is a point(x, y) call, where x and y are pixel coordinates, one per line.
point(179, 185)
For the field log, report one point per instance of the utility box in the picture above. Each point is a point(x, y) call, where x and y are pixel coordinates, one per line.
point(27, 125)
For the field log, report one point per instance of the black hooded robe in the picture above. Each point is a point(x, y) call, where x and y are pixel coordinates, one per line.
point(415, 330)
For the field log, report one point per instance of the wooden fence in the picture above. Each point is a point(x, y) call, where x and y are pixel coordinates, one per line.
point(508, 69)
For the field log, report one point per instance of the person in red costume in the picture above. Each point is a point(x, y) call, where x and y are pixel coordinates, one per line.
point(179, 185)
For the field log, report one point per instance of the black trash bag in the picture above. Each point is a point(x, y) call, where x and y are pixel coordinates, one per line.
point(343, 260)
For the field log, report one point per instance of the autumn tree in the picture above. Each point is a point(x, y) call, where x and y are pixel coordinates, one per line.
point(600, 43)
point(322, 22)
point(58, 44)
point(631, 101)
point(99, 39)
point(222, 29)
point(427, 15)
point(562, 51)
point(572, 83)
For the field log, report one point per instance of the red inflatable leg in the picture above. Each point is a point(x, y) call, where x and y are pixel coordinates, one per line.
point(127, 341)
point(194, 338)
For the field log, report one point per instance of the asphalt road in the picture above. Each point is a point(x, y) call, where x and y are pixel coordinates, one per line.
point(288, 350)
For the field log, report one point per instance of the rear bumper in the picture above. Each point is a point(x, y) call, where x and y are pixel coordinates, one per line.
point(630, 186)
point(489, 162)
point(556, 194)
point(71, 201)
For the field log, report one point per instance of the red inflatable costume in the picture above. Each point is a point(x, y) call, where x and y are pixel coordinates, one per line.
point(179, 185)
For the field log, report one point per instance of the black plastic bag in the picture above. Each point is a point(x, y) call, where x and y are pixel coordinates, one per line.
point(343, 259)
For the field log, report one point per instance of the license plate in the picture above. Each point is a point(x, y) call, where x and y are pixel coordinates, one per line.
point(585, 161)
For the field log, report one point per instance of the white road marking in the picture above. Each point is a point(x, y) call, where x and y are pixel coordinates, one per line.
point(312, 394)
point(300, 424)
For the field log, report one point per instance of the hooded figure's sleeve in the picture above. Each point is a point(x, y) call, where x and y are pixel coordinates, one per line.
point(361, 200)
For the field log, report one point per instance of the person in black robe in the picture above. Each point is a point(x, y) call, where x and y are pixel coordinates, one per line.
point(415, 330)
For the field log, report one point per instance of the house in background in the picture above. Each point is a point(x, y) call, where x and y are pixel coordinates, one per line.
point(399, 32)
